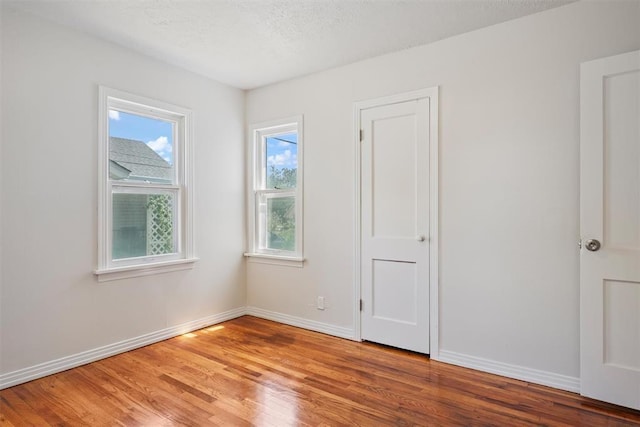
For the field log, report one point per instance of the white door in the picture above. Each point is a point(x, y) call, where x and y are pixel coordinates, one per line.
point(610, 229)
point(395, 224)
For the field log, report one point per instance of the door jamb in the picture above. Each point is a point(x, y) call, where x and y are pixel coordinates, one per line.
point(432, 95)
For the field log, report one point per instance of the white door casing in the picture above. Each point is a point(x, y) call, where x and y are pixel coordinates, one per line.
point(610, 216)
point(397, 226)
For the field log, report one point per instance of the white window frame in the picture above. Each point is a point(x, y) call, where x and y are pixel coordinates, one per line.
point(258, 133)
point(181, 188)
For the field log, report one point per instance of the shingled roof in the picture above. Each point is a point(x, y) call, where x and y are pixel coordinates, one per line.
point(141, 162)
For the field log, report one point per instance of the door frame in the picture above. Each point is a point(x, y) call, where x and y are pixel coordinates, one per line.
point(432, 95)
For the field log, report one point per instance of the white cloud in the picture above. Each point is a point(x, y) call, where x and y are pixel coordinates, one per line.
point(162, 146)
point(286, 159)
point(114, 115)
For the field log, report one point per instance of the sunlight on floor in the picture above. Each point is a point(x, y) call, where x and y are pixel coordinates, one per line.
point(210, 329)
point(279, 406)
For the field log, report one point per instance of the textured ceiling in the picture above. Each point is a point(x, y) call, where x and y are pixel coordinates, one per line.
point(251, 43)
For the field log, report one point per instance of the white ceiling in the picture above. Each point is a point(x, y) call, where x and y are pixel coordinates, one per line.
point(251, 43)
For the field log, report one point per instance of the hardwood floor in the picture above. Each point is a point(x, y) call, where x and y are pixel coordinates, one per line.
point(250, 371)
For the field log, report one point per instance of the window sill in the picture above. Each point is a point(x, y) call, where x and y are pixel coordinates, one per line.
point(289, 261)
point(117, 273)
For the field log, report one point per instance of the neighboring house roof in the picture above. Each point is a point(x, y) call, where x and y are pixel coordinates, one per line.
point(117, 171)
point(135, 160)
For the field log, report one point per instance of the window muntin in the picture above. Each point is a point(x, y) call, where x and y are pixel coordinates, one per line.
point(276, 204)
point(145, 203)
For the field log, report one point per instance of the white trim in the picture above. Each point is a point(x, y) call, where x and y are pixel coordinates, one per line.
point(277, 257)
point(434, 226)
point(299, 322)
point(562, 382)
point(104, 196)
point(265, 129)
point(188, 239)
point(155, 106)
point(550, 379)
point(182, 184)
point(434, 242)
point(357, 219)
point(54, 366)
point(398, 98)
point(289, 261)
point(144, 270)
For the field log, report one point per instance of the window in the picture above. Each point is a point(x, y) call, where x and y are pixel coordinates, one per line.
point(275, 196)
point(145, 215)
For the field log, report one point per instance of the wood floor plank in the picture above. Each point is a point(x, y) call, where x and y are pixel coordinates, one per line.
point(253, 372)
point(14, 410)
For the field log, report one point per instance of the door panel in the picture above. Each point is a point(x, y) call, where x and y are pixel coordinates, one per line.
point(622, 324)
point(394, 177)
point(395, 224)
point(610, 213)
point(622, 153)
point(394, 291)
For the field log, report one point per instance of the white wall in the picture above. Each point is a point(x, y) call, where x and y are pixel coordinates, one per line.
point(52, 305)
point(509, 125)
point(1, 139)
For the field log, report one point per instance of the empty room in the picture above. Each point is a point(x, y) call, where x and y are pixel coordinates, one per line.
point(208, 215)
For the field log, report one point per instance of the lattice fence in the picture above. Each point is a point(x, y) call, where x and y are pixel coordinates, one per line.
point(159, 224)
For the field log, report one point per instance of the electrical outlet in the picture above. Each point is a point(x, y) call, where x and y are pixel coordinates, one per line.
point(320, 303)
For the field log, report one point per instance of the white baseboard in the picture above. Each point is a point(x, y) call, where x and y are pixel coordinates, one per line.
point(299, 322)
point(68, 362)
point(562, 382)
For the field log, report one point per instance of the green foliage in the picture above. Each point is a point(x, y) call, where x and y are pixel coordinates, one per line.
point(160, 207)
point(281, 226)
point(282, 178)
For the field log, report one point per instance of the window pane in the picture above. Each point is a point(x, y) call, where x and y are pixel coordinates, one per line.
point(140, 148)
point(281, 223)
point(142, 225)
point(281, 159)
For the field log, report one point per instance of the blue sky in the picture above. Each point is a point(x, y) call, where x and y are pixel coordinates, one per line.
point(283, 154)
point(157, 134)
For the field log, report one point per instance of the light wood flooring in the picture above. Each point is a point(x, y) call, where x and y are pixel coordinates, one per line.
point(253, 372)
